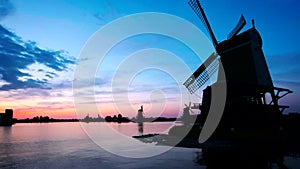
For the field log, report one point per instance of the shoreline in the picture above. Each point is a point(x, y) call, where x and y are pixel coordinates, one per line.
point(77, 120)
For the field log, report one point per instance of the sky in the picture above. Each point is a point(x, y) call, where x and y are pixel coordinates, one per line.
point(41, 42)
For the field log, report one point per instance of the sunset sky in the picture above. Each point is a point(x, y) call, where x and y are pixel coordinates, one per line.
point(40, 43)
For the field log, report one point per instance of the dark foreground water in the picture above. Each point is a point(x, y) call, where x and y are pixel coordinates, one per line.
point(66, 145)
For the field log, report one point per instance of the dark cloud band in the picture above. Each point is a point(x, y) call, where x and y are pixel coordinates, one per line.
point(17, 54)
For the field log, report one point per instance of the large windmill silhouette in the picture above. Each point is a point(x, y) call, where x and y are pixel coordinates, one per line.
point(252, 100)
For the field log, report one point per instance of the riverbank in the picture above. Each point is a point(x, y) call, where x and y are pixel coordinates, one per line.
point(46, 119)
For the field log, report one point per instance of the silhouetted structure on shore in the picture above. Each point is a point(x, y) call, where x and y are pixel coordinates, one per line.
point(140, 118)
point(251, 132)
point(252, 107)
point(258, 154)
point(118, 119)
point(140, 115)
point(252, 114)
point(6, 119)
point(289, 134)
point(87, 119)
point(43, 119)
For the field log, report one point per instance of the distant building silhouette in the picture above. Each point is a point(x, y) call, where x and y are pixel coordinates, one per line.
point(120, 117)
point(6, 119)
point(140, 116)
point(115, 118)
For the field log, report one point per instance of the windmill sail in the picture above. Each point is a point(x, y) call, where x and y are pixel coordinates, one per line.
point(202, 74)
point(238, 27)
point(195, 5)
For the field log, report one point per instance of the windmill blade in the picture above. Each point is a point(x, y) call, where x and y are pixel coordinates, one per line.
point(202, 74)
point(238, 27)
point(189, 107)
point(192, 111)
point(196, 6)
point(200, 70)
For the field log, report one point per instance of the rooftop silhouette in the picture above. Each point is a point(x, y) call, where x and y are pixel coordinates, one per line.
point(6, 119)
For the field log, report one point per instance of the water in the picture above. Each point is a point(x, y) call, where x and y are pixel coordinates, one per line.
point(66, 145)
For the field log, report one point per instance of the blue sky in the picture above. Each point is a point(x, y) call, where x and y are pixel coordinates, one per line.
point(57, 31)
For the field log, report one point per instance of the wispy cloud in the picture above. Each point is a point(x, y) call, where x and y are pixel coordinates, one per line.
point(285, 67)
point(6, 8)
point(285, 72)
point(25, 65)
point(108, 13)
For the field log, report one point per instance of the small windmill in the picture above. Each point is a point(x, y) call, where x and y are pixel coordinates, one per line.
point(187, 113)
point(248, 80)
point(188, 110)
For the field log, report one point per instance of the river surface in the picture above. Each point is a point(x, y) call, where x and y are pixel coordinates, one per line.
point(68, 145)
point(94, 145)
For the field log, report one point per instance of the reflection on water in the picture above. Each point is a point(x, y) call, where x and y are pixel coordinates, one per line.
point(141, 128)
point(236, 159)
point(117, 138)
point(246, 157)
point(65, 145)
point(133, 129)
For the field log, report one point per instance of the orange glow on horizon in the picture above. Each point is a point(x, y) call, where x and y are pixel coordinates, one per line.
point(70, 113)
point(67, 113)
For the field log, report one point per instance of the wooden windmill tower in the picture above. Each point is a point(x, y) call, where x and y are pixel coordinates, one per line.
point(252, 100)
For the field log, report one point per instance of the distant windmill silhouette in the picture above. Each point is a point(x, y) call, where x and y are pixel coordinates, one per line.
point(248, 80)
point(188, 107)
point(186, 115)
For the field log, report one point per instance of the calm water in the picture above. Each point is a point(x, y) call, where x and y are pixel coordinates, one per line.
point(66, 145)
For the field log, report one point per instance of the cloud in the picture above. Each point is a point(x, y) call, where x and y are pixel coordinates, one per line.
point(2, 82)
point(25, 65)
point(107, 14)
point(6, 8)
point(285, 67)
point(285, 72)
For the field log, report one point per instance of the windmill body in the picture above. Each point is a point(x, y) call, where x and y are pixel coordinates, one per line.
point(243, 60)
point(251, 106)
